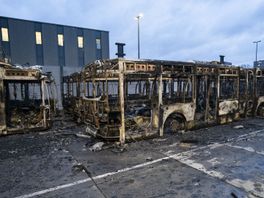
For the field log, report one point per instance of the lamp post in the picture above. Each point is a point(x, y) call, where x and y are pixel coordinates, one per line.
point(256, 42)
point(138, 17)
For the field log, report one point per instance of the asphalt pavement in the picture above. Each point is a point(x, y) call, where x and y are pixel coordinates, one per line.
point(220, 161)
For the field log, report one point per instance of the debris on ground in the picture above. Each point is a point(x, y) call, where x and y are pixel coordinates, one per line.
point(119, 148)
point(149, 159)
point(77, 168)
point(189, 141)
point(238, 127)
point(13, 151)
point(185, 145)
point(159, 140)
point(97, 146)
point(83, 136)
point(234, 195)
point(65, 151)
point(181, 131)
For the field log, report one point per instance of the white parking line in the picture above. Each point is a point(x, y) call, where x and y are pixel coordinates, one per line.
point(181, 157)
point(245, 136)
point(249, 149)
point(54, 188)
point(95, 178)
point(248, 185)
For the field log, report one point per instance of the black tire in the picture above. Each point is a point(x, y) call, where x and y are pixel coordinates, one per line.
point(174, 124)
point(260, 111)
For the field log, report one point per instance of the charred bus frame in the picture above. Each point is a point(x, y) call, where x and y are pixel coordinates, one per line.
point(27, 99)
point(127, 99)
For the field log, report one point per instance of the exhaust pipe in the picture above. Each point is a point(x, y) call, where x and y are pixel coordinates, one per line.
point(120, 50)
point(222, 59)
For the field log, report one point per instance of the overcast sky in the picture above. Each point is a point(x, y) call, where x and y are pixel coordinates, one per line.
point(170, 29)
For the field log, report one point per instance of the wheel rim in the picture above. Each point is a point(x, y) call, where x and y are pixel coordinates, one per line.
point(175, 125)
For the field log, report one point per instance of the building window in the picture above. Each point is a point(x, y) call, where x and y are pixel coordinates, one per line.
point(4, 32)
point(98, 43)
point(60, 39)
point(38, 38)
point(80, 41)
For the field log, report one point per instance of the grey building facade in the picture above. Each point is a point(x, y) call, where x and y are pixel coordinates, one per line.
point(37, 43)
point(259, 63)
point(60, 49)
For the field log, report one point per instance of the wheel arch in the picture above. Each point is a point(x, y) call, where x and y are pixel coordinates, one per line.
point(176, 115)
point(260, 109)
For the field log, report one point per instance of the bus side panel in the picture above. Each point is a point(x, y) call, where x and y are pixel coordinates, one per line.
point(2, 108)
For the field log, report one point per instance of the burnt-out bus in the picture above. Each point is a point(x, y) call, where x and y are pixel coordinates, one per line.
point(27, 99)
point(126, 99)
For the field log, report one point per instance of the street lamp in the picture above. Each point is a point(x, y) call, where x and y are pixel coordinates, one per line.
point(138, 17)
point(256, 42)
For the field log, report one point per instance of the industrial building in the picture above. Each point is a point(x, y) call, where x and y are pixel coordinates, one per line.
point(259, 63)
point(38, 43)
point(60, 49)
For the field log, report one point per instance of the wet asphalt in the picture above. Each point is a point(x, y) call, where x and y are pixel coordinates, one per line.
point(220, 161)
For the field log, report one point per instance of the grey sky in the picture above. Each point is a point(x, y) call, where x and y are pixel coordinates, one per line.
point(171, 29)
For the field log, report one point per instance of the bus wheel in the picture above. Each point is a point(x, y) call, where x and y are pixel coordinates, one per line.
point(174, 125)
point(260, 111)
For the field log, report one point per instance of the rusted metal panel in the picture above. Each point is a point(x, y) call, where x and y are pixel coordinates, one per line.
point(126, 99)
point(25, 99)
point(2, 108)
point(122, 103)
